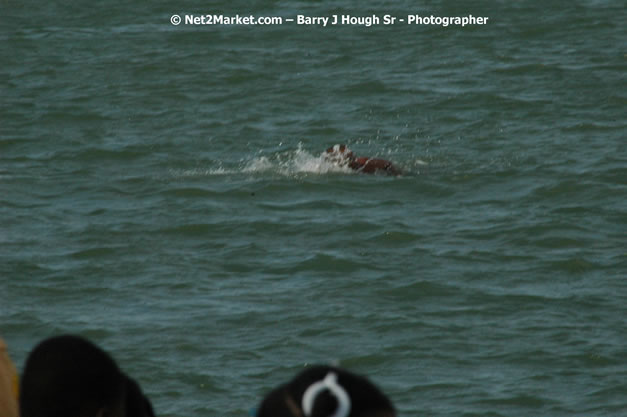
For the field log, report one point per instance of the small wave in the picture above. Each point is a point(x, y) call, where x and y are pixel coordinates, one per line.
point(200, 172)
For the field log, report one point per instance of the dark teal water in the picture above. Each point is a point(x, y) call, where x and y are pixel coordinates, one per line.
point(162, 193)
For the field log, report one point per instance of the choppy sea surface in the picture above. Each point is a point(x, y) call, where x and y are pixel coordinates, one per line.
point(162, 193)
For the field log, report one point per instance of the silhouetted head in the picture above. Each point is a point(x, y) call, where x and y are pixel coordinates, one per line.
point(325, 391)
point(71, 377)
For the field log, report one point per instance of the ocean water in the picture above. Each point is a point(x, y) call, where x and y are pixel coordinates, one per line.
point(162, 193)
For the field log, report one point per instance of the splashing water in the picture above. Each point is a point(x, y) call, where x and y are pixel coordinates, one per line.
point(285, 163)
point(298, 161)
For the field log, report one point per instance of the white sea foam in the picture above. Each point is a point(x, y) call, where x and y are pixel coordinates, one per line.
point(200, 172)
point(260, 164)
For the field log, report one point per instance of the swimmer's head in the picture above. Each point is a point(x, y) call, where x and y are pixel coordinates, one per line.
point(339, 154)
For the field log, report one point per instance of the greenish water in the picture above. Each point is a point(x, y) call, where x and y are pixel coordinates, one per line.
point(162, 193)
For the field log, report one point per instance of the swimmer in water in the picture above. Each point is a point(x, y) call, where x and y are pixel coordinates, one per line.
point(341, 155)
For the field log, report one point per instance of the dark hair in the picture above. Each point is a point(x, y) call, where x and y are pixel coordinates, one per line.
point(71, 377)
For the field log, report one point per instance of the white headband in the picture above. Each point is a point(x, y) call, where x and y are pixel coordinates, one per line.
point(329, 382)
